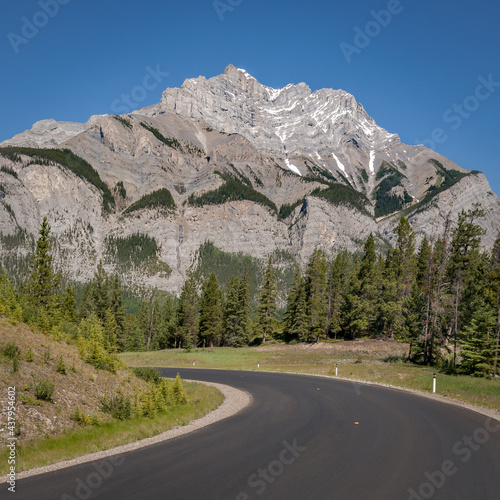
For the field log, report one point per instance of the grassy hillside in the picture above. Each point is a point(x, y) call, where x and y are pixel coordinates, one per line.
point(59, 407)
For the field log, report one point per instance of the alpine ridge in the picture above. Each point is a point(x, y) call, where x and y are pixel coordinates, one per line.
point(226, 160)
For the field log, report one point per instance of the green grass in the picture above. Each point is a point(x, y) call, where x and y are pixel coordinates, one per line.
point(90, 439)
point(351, 365)
point(477, 391)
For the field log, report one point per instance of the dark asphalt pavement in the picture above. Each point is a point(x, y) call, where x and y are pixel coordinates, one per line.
point(301, 437)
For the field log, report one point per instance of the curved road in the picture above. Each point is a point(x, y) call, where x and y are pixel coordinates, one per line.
point(305, 438)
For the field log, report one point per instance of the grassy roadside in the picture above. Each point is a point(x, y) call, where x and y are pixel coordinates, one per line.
point(43, 451)
point(355, 360)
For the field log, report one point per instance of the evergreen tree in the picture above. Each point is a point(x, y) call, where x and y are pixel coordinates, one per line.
point(43, 283)
point(231, 316)
point(211, 312)
point(266, 308)
point(116, 307)
point(398, 277)
point(236, 318)
point(338, 282)
point(464, 248)
point(295, 319)
point(244, 309)
point(167, 328)
point(365, 293)
point(418, 309)
point(495, 285)
point(316, 296)
point(68, 305)
point(187, 314)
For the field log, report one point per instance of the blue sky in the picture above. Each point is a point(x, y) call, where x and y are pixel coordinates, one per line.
point(427, 70)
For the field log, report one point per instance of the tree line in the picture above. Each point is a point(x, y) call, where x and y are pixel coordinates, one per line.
point(443, 298)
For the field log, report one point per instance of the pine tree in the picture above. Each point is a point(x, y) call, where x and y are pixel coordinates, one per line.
point(211, 312)
point(495, 284)
point(316, 296)
point(365, 293)
point(231, 316)
point(167, 327)
point(338, 282)
point(187, 314)
point(295, 318)
point(236, 317)
point(398, 277)
point(43, 283)
point(68, 305)
point(243, 333)
point(115, 294)
point(266, 308)
point(464, 247)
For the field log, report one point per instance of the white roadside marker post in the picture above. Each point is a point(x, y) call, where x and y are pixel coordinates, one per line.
point(336, 369)
point(434, 384)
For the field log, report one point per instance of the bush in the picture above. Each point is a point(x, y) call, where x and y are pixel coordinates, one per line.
point(11, 350)
point(61, 367)
point(44, 390)
point(29, 356)
point(118, 406)
point(80, 417)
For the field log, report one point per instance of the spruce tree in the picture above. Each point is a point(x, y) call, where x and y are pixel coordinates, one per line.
point(295, 319)
point(187, 314)
point(266, 308)
point(397, 281)
point(211, 312)
point(463, 253)
point(495, 284)
point(43, 283)
point(338, 282)
point(365, 295)
point(231, 316)
point(316, 296)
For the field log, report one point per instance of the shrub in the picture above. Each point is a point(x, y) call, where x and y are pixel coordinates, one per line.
point(118, 406)
point(61, 367)
point(11, 350)
point(44, 390)
point(178, 391)
point(29, 356)
point(80, 417)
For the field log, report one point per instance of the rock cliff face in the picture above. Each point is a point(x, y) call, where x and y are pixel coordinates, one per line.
point(250, 168)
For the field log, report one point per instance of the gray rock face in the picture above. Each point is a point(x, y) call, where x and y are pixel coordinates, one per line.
point(285, 144)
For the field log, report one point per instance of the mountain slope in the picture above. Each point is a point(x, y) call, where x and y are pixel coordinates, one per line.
point(252, 169)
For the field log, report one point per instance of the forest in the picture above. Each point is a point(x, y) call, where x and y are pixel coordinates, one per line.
point(441, 297)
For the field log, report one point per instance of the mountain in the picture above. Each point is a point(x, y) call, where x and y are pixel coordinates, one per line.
point(227, 160)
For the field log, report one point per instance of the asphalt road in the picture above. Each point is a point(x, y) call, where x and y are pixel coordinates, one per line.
point(301, 438)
